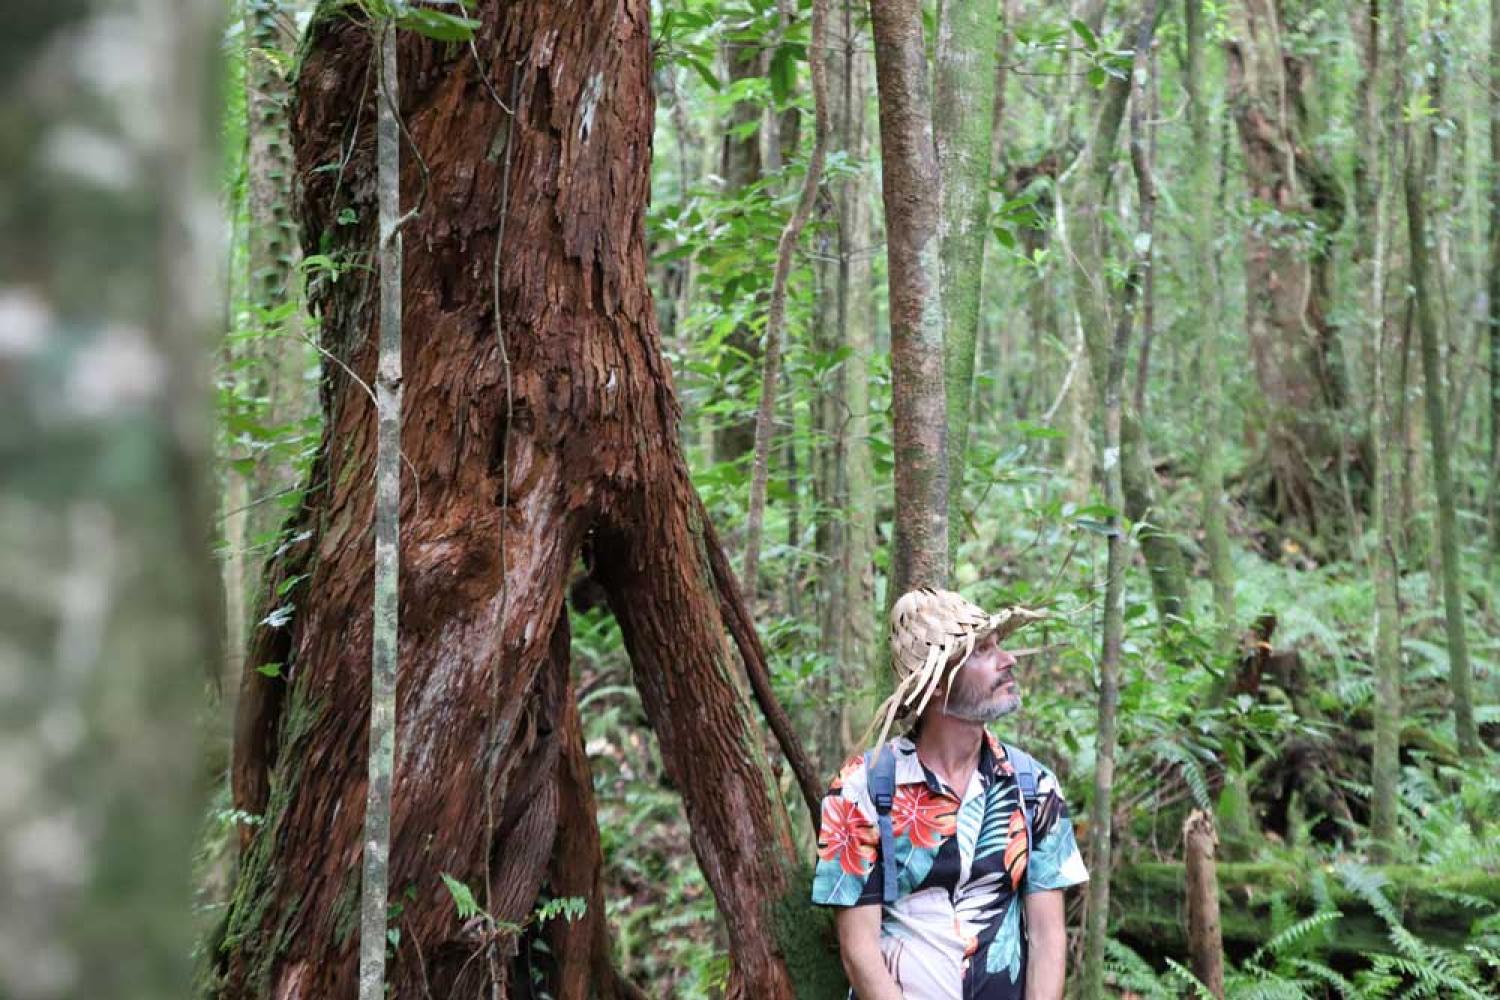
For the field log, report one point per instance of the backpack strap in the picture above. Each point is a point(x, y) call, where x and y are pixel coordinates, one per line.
point(881, 778)
point(1026, 768)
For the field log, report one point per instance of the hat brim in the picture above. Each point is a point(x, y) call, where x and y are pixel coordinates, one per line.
point(910, 697)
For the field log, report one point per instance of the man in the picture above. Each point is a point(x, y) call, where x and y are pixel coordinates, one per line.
point(979, 911)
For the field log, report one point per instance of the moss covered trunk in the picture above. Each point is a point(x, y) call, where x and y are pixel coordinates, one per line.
point(963, 122)
point(529, 438)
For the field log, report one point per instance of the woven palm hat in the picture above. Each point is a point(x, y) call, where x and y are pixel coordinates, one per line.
point(927, 627)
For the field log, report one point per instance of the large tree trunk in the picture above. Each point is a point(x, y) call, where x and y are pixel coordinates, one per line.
point(1288, 274)
point(909, 178)
point(547, 431)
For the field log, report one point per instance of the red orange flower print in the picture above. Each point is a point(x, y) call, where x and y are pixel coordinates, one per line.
point(926, 816)
point(845, 834)
point(1002, 763)
point(1015, 849)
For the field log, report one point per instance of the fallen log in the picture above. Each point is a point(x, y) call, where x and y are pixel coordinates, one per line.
point(1150, 899)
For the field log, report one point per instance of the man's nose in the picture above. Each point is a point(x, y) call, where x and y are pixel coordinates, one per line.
point(1006, 660)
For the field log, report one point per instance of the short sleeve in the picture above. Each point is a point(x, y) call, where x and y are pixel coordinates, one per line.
point(1055, 861)
point(848, 842)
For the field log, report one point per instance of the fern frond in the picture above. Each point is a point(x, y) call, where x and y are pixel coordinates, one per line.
point(1194, 985)
point(1293, 934)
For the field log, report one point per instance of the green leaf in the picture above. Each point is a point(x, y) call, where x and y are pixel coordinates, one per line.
point(463, 898)
point(437, 25)
point(707, 74)
point(1086, 35)
point(1097, 527)
point(269, 669)
point(783, 72)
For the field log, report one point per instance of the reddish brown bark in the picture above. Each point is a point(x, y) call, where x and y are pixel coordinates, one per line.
point(593, 464)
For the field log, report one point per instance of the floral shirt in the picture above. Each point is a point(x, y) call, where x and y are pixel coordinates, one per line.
point(955, 928)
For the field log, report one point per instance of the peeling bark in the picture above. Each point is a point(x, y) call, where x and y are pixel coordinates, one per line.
point(588, 445)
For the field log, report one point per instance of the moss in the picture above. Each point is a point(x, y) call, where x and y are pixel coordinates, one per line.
point(346, 908)
point(805, 936)
point(1151, 897)
point(257, 884)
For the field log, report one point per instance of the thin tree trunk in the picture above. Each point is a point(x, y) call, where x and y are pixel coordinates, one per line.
point(1418, 175)
point(580, 457)
point(741, 165)
point(1386, 425)
point(845, 488)
point(963, 124)
point(1493, 298)
point(271, 362)
point(1385, 763)
point(1205, 937)
point(918, 394)
point(1148, 286)
point(1101, 829)
point(776, 321)
point(386, 627)
point(1084, 243)
point(1206, 311)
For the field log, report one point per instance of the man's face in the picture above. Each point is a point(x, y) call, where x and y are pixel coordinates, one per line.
point(985, 688)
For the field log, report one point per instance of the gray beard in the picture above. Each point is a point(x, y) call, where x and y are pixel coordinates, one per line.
point(981, 710)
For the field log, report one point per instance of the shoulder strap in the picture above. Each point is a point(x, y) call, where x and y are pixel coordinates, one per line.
point(1025, 767)
point(881, 778)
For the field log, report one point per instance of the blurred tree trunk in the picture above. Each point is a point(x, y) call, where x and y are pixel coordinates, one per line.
point(1205, 936)
point(112, 610)
point(1288, 274)
point(1086, 244)
point(741, 166)
point(963, 127)
point(1374, 200)
point(844, 537)
point(919, 414)
point(269, 364)
point(1206, 316)
point(1493, 297)
point(1101, 837)
point(1421, 147)
point(547, 431)
point(776, 323)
